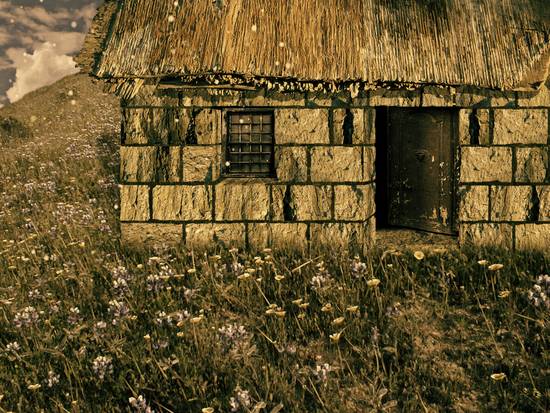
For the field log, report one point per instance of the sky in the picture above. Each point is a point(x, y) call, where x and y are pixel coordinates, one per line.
point(38, 40)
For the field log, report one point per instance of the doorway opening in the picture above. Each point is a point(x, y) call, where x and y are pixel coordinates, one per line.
point(415, 169)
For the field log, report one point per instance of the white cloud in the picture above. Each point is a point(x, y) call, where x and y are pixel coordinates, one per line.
point(45, 66)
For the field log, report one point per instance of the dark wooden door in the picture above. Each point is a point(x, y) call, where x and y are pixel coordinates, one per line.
point(421, 164)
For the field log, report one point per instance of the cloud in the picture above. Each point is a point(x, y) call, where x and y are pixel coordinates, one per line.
point(45, 66)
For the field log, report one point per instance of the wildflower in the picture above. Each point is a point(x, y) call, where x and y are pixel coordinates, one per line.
point(13, 347)
point(504, 293)
point(280, 313)
point(196, 320)
point(279, 277)
point(301, 315)
point(483, 262)
point(207, 410)
point(241, 401)
point(140, 404)
point(119, 310)
point(147, 337)
point(74, 316)
point(321, 372)
point(163, 318)
point(297, 301)
point(244, 276)
point(358, 268)
point(233, 337)
point(419, 255)
point(237, 268)
point(353, 308)
point(373, 282)
point(27, 317)
point(33, 386)
point(326, 308)
point(335, 338)
point(304, 305)
point(191, 271)
point(102, 366)
point(338, 321)
point(495, 267)
point(539, 293)
point(322, 277)
point(498, 376)
point(52, 379)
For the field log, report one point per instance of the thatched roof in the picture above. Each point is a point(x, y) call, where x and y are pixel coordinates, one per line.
point(501, 44)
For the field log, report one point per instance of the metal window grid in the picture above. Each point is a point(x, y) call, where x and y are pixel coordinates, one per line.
point(250, 144)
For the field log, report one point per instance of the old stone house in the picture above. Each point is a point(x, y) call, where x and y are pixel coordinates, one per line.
point(288, 123)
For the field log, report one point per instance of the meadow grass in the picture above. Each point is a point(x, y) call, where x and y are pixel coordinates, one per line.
point(87, 325)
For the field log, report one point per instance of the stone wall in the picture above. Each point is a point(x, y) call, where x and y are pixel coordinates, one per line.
point(172, 150)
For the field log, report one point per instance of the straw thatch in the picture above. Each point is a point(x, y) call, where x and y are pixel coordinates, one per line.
point(482, 43)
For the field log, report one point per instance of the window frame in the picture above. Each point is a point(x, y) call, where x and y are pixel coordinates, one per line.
point(225, 172)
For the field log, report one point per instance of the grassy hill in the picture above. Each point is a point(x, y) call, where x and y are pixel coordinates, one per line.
point(88, 326)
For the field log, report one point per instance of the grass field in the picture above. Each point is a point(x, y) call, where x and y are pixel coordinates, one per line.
point(89, 326)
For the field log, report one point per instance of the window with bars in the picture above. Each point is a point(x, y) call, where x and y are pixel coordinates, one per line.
point(250, 142)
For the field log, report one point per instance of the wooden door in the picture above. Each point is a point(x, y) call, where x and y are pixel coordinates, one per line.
point(421, 169)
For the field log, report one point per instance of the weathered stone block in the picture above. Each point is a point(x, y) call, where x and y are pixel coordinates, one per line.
point(533, 237)
point(531, 164)
point(353, 126)
point(543, 193)
point(208, 127)
point(523, 126)
point(150, 164)
point(193, 98)
point(510, 203)
point(474, 126)
point(353, 202)
point(203, 236)
point(167, 126)
point(540, 98)
point(278, 236)
point(486, 164)
point(182, 203)
point(236, 200)
point(151, 234)
point(275, 98)
point(401, 97)
point(301, 202)
point(134, 203)
point(201, 163)
point(436, 96)
point(503, 99)
point(467, 97)
point(150, 95)
point(291, 163)
point(323, 99)
point(369, 163)
point(474, 203)
point(301, 126)
point(497, 235)
point(342, 236)
point(337, 164)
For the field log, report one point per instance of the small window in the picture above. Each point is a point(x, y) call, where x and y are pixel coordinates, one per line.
point(250, 141)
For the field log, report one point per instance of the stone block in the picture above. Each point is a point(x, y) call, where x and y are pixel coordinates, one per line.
point(301, 202)
point(357, 237)
point(474, 203)
point(291, 163)
point(208, 127)
point(276, 98)
point(353, 126)
point(182, 203)
point(473, 127)
point(531, 164)
point(522, 126)
point(151, 234)
point(543, 193)
point(279, 236)
point(237, 200)
point(353, 202)
point(337, 164)
point(150, 163)
point(201, 163)
point(326, 99)
point(401, 97)
point(505, 99)
point(166, 126)
point(486, 164)
point(369, 163)
point(204, 236)
point(534, 237)
point(436, 96)
point(150, 95)
point(541, 98)
point(302, 126)
point(134, 203)
point(510, 203)
point(486, 235)
point(193, 98)
point(468, 97)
